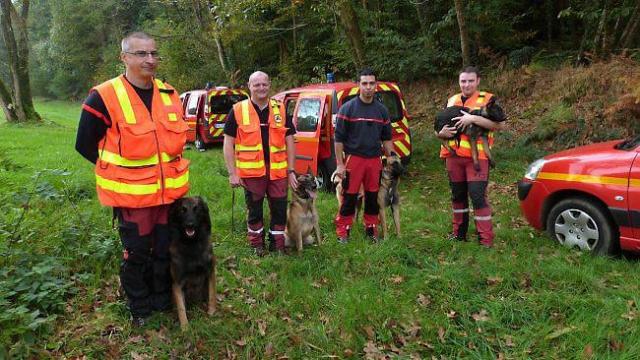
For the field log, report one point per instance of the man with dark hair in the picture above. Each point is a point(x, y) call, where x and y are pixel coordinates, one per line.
point(259, 151)
point(362, 124)
point(464, 180)
point(132, 129)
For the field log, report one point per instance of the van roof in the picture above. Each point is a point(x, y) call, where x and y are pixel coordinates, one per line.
point(330, 87)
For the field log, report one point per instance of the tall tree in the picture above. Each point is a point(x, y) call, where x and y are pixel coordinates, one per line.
point(464, 35)
point(349, 20)
point(15, 98)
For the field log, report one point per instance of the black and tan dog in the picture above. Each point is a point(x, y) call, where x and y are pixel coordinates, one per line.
point(193, 265)
point(302, 217)
point(388, 195)
point(474, 132)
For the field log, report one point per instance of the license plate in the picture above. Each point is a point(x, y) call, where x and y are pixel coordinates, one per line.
point(218, 125)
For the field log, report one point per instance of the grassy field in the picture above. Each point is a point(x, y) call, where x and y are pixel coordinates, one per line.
point(416, 296)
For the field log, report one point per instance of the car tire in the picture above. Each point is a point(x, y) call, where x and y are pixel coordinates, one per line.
point(579, 222)
point(324, 178)
point(198, 143)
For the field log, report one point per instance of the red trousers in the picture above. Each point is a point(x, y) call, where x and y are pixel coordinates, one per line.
point(276, 191)
point(465, 182)
point(361, 172)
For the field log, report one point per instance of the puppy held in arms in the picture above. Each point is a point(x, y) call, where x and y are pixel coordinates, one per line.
point(302, 217)
point(474, 132)
point(193, 269)
point(388, 195)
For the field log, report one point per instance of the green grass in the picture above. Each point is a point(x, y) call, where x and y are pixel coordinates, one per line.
point(414, 296)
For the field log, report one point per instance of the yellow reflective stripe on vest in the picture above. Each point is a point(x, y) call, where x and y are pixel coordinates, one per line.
point(278, 165)
point(275, 149)
point(166, 99)
point(124, 188)
point(245, 112)
point(123, 99)
point(176, 183)
point(465, 144)
point(249, 164)
point(240, 147)
point(115, 159)
point(275, 107)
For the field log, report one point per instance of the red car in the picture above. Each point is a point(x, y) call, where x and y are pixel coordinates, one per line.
point(205, 111)
point(587, 197)
point(313, 108)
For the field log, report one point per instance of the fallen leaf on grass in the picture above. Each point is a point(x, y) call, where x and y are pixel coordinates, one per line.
point(587, 353)
point(371, 351)
point(452, 314)
point(494, 280)
point(560, 332)
point(268, 350)
point(262, 327)
point(348, 352)
point(615, 345)
point(240, 342)
point(509, 341)
point(371, 334)
point(631, 315)
point(412, 330)
point(424, 300)
point(441, 333)
point(480, 316)
point(397, 279)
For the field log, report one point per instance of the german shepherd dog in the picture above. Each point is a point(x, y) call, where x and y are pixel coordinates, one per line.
point(193, 265)
point(388, 195)
point(302, 217)
point(491, 112)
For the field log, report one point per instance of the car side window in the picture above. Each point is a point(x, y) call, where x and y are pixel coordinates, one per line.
point(308, 114)
point(192, 106)
point(290, 108)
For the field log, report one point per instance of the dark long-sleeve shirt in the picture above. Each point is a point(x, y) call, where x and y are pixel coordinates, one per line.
point(362, 127)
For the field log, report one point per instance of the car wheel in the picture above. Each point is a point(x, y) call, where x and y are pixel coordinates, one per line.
point(577, 222)
point(324, 178)
point(198, 143)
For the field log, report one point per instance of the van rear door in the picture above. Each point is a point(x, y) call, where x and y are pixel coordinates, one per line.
point(307, 119)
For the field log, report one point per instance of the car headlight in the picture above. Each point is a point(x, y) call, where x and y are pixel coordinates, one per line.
point(534, 169)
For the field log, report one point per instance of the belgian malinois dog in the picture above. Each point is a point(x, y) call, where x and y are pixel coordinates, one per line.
point(302, 217)
point(388, 195)
point(193, 269)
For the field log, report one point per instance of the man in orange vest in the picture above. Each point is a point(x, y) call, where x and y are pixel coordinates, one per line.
point(132, 128)
point(464, 180)
point(259, 151)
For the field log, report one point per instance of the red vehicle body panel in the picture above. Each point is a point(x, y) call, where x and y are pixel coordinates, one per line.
point(315, 144)
point(597, 171)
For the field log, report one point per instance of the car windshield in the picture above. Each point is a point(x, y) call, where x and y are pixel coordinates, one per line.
point(629, 144)
point(390, 101)
point(222, 104)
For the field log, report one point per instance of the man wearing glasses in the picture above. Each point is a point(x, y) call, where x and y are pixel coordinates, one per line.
point(132, 128)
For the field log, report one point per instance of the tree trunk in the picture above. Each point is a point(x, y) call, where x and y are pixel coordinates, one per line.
point(600, 31)
point(349, 21)
point(550, 14)
point(464, 36)
point(630, 30)
point(7, 104)
point(17, 45)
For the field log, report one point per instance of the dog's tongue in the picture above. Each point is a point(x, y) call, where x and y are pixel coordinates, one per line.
point(312, 194)
point(190, 231)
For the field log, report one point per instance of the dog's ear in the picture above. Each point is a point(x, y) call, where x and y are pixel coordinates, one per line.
point(203, 211)
point(174, 210)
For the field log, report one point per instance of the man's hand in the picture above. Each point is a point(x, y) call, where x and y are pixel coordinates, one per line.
point(235, 180)
point(340, 171)
point(293, 180)
point(447, 132)
point(465, 120)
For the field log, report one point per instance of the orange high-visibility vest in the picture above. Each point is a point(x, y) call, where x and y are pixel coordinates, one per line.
point(248, 143)
point(476, 102)
point(140, 160)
